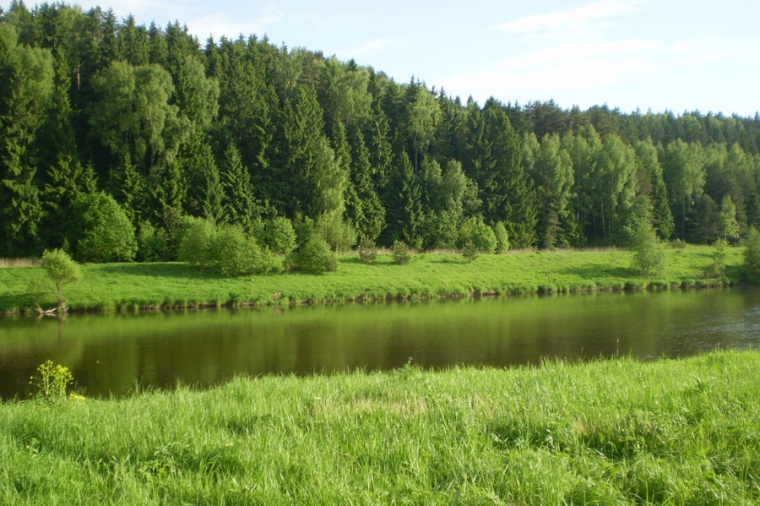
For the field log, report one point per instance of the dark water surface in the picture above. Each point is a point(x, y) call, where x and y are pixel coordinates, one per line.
point(111, 354)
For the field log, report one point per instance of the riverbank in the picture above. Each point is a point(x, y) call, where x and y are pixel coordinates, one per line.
point(140, 286)
point(608, 432)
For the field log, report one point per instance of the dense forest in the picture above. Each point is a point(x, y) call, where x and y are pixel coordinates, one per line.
point(97, 112)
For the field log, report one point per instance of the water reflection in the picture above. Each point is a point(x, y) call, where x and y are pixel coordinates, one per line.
point(111, 354)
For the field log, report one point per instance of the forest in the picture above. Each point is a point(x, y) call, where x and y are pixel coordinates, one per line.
point(138, 128)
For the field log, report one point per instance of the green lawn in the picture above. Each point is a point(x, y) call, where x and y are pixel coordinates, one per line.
point(608, 432)
point(134, 285)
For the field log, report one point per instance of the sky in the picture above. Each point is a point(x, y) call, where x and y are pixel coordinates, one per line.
point(658, 55)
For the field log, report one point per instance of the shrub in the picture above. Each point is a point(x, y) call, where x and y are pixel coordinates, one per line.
point(476, 237)
point(469, 252)
point(197, 238)
point(314, 256)
point(717, 269)
point(649, 255)
point(103, 231)
point(279, 236)
point(338, 234)
point(233, 253)
point(367, 251)
point(62, 270)
point(400, 252)
point(152, 243)
point(502, 237)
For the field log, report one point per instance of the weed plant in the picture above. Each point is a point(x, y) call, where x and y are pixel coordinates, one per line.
point(607, 432)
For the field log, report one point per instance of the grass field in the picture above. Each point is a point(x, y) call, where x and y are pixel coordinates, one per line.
point(139, 285)
point(610, 432)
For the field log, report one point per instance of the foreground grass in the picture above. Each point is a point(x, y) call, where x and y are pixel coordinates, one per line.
point(613, 432)
point(130, 286)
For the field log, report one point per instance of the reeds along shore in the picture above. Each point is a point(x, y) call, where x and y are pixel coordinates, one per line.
point(609, 432)
point(139, 286)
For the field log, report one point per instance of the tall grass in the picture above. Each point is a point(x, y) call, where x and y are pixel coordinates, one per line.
point(614, 432)
point(19, 262)
point(436, 275)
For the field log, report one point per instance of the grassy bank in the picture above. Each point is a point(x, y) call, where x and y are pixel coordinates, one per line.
point(130, 286)
point(613, 432)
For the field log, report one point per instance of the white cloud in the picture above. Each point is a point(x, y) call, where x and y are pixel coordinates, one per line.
point(575, 19)
point(579, 52)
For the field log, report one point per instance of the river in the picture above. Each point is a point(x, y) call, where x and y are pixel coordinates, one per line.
point(111, 354)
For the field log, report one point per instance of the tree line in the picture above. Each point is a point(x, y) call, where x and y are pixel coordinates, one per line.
point(109, 125)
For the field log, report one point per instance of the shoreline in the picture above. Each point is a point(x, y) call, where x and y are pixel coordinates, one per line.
point(172, 286)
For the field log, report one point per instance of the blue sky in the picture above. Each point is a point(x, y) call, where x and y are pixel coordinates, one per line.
point(676, 55)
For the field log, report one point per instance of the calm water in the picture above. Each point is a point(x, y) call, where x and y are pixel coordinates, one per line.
point(110, 354)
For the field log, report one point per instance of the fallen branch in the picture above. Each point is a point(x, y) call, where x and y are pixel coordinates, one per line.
point(46, 312)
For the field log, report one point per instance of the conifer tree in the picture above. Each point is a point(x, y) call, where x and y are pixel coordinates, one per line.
point(239, 204)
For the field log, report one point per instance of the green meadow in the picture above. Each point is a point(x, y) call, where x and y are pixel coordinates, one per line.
point(609, 432)
point(131, 286)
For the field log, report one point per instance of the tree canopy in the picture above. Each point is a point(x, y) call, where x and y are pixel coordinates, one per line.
point(242, 132)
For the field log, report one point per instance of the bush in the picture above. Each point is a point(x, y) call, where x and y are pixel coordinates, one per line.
point(400, 252)
point(338, 234)
point(367, 251)
point(476, 237)
point(502, 238)
point(314, 256)
point(279, 236)
point(103, 231)
point(717, 269)
point(62, 270)
point(196, 243)
point(233, 253)
point(152, 243)
point(649, 255)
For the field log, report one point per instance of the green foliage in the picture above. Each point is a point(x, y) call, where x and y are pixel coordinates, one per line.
point(649, 256)
point(502, 238)
point(152, 244)
point(339, 234)
point(367, 251)
point(729, 227)
point(235, 128)
point(752, 256)
point(233, 253)
point(239, 204)
point(400, 252)
point(196, 242)
point(27, 78)
point(476, 237)
point(227, 250)
point(279, 235)
point(717, 269)
point(314, 256)
point(103, 231)
point(52, 381)
point(61, 270)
